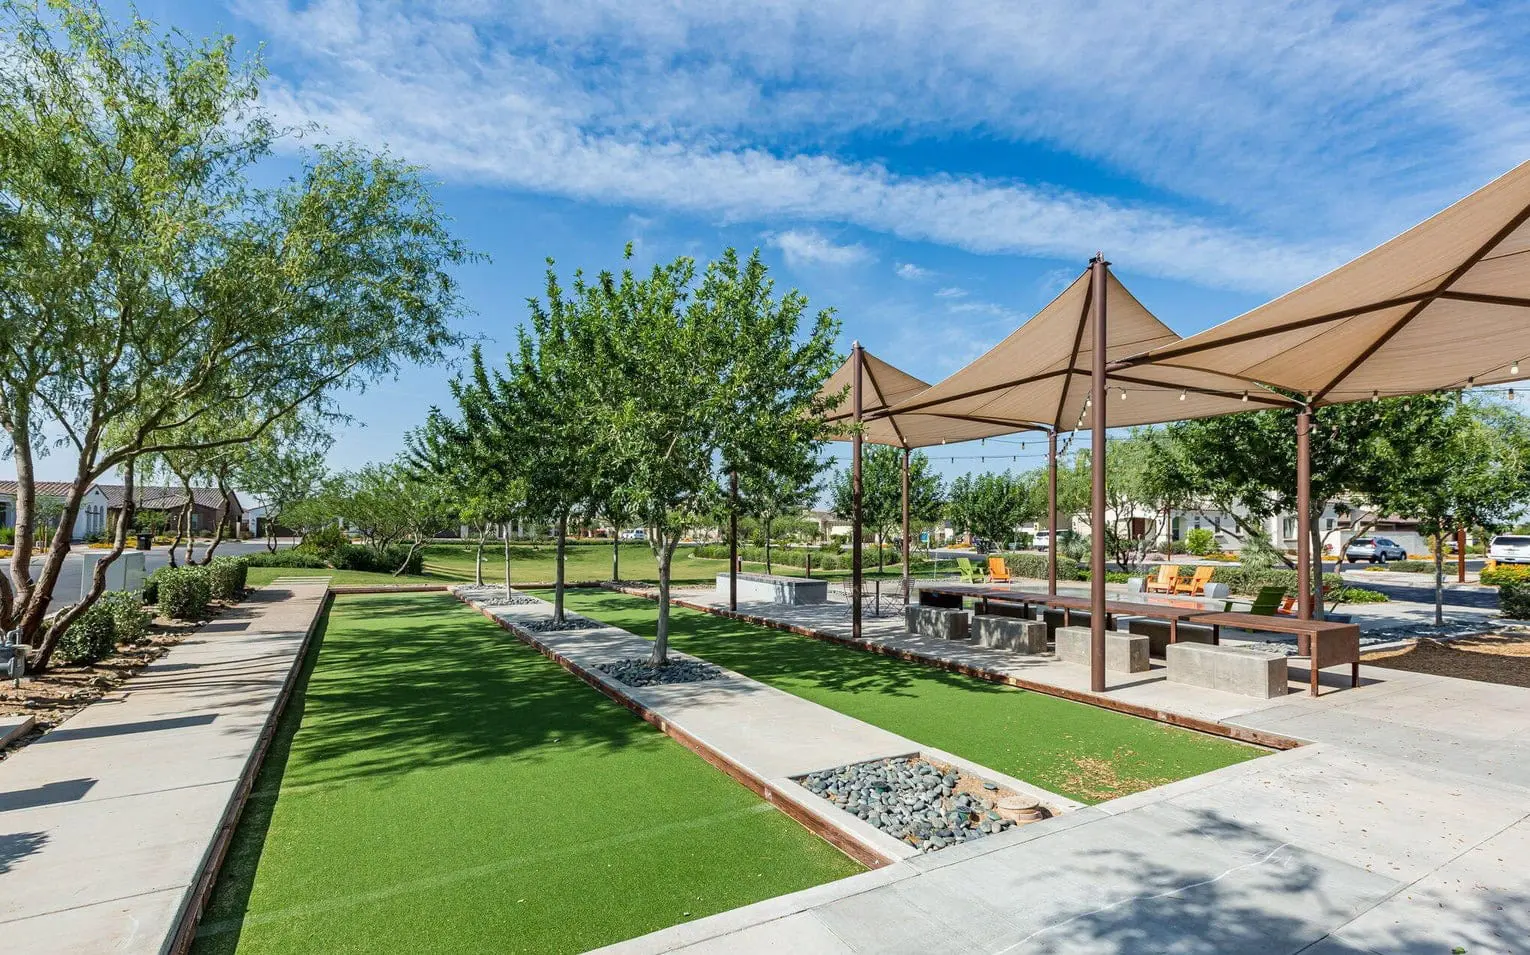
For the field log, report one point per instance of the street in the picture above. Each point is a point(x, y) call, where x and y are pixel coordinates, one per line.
point(67, 590)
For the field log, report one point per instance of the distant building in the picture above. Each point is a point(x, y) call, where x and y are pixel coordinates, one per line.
point(171, 501)
point(89, 522)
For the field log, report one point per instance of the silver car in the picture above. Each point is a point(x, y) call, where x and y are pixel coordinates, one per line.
point(1510, 549)
point(1374, 549)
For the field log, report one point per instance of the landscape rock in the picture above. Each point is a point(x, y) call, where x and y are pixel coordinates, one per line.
point(637, 671)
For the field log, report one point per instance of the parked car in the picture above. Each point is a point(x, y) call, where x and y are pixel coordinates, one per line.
point(1510, 549)
point(1374, 549)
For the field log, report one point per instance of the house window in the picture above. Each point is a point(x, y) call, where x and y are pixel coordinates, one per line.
point(5, 513)
point(1288, 527)
point(1332, 522)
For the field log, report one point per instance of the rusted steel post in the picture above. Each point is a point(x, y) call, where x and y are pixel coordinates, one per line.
point(907, 541)
point(1097, 440)
point(1052, 513)
point(733, 541)
point(1304, 513)
point(1460, 555)
point(856, 362)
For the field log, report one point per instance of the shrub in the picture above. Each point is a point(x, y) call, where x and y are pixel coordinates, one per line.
point(1514, 598)
point(325, 540)
point(7, 536)
point(1035, 566)
point(1406, 566)
point(1505, 574)
point(93, 635)
point(1356, 595)
point(286, 557)
point(184, 592)
point(226, 576)
point(1247, 581)
point(128, 616)
point(1200, 541)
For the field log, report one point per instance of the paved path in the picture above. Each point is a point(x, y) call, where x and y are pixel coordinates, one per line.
point(1403, 827)
point(106, 821)
point(768, 734)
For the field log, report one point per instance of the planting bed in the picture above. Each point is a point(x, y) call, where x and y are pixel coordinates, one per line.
point(637, 671)
point(927, 804)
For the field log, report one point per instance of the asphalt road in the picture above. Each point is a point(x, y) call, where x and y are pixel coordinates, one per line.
point(67, 590)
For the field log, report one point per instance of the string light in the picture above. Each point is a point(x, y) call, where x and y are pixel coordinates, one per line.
point(1375, 396)
point(1184, 394)
point(1123, 394)
point(1514, 368)
point(1511, 394)
point(1245, 397)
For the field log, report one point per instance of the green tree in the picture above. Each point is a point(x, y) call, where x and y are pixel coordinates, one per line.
point(771, 497)
point(990, 505)
point(148, 279)
point(281, 473)
point(882, 493)
point(700, 378)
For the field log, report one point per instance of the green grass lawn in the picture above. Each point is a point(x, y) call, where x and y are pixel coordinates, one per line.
point(1081, 751)
point(436, 786)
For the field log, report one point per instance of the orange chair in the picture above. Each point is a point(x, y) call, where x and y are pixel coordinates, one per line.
point(998, 571)
point(1196, 585)
point(1166, 581)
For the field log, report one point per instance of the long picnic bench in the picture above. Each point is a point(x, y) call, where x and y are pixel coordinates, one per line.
point(952, 596)
point(1328, 643)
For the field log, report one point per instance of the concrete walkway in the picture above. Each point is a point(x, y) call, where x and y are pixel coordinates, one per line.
point(1404, 826)
point(106, 822)
point(758, 733)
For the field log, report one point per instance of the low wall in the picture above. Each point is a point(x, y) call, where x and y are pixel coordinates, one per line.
point(771, 588)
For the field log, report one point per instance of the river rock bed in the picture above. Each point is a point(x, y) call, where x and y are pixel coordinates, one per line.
point(571, 621)
point(925, 804)
point(637, 671)
point(495, 596)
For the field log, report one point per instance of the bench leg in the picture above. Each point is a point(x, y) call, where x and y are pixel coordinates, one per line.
point(1313, 658)
point(1354, 674)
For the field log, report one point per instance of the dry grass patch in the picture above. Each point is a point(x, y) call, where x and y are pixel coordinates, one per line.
point(1495, 658)
point(1100, 779)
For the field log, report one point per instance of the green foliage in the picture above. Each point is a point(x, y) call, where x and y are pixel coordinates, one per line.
point(385, 561)
point(1406, 566)
point(1356, 595)
point(882, 491)
point(1200, 541)
point(795, 558)
point(226, 576)
point(1035, 566)
point(1514, 598)
point(7, 536)
point(286, 557)
point(325, 539)
point(130, 619)
point(183, 593)
point(991, 506)
point(92, 636)
point(1504, 574)
point(1247, 581)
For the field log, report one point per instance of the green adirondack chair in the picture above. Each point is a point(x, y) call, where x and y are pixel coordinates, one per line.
point(971, 573)
point(1269, 601)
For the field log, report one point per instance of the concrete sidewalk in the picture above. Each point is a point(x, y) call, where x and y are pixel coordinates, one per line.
point(1404, 826)
point(758, 733)
point(107, 821)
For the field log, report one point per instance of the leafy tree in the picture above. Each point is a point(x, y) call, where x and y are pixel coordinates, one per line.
point(882, 492)
point(148, 280)
point(699, 378)
point(282, 473)
point(990, 505)
point(472, 471)
point(772, 496)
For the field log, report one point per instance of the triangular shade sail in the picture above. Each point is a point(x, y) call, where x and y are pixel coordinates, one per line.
point(1041, 373)
point(1444, 305)
point(882, 387)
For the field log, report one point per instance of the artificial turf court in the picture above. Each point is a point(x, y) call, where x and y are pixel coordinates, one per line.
point(437, 786)
point(1081, 751)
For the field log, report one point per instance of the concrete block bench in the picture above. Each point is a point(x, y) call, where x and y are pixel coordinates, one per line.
point(947, 623)
point(774, 588)
point(1230, 669)
point(1157, 632)
point(1124, 652)
point(1003, 632)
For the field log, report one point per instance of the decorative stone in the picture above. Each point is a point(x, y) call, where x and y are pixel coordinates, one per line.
point(637, 671)
point(1021, 809)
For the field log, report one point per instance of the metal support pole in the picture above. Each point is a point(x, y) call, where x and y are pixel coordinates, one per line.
point(1098, 268)
point(856, 361)
point(733, 541)
point(907, 540)
point(1460, 555)
point(1052, 513)
point(1304, 513)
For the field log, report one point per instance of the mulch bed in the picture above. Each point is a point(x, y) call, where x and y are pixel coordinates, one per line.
point(65, 689)
point(1497, 658)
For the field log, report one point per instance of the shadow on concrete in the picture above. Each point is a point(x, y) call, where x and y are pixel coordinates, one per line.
point(15, 846)
point(48, 794)
point(124, 729)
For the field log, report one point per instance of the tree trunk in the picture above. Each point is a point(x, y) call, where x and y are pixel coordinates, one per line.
point(98, 576)
point(1317, 578)
point(665, 552)
point(768, 568)
point(414, 545)
point(558, 572)
point(41, 590)
point(1439, 580)
point(506, 536)
point(26, 504)
point(616, 555)
point(207, 555)
point(478, 557)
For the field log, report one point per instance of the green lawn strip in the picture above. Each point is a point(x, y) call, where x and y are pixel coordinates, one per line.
point(1081, 751)
point(437, 786)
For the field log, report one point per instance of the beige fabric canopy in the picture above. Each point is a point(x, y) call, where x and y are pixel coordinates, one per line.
point(1041, 373)
point(1444, 305)
point(882, 387)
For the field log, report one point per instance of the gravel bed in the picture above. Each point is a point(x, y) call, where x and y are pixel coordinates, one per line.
point(571, 621)
point(496, 595)
point(924, 804)
point(637, 671)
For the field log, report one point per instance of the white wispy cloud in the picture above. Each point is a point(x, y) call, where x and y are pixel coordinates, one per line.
point(1258, 119)
point(810, 247)
point(910, 271)
point(951, 291)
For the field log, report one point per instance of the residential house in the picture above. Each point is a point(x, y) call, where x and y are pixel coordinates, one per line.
point(171, 501)
point(89, 522)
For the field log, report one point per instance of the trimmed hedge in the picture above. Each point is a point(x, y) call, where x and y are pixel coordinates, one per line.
point(1406, 566)
point(1035, 566)
point(286, 557)
point(183, 593)
point(792, 557)
point(1514, 598)
point(1506, 574)
point(226, 576)
point(128, 616)
point(92, 636)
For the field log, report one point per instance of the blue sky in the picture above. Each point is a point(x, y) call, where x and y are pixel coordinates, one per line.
point(933, 171)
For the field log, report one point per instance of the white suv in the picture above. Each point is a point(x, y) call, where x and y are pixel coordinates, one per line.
point(1510, 549)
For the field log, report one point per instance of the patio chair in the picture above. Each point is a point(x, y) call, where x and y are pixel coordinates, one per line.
point(998, 571)
point(970, 573)
point(1166, 581)
point(1272, 601)
point(1196, 585)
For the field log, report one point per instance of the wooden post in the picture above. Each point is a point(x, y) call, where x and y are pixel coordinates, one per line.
point(1460, 555)
point(1097, 442)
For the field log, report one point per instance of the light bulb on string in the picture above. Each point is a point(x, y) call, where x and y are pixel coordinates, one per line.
point(1245, 397)
point(1375, 396)
point(1184, 394)
point(1514, 368)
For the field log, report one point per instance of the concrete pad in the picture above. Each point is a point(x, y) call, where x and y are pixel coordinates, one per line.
point(1124, 652)
point(803, 932)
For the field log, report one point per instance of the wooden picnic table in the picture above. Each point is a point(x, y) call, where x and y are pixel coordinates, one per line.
point(1329, 644)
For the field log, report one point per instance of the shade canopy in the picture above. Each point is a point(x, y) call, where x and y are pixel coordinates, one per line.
point(1040, 375)
point(1444, 305)
point(882, 387)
